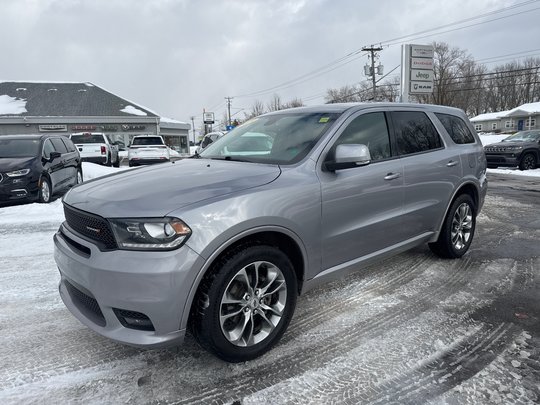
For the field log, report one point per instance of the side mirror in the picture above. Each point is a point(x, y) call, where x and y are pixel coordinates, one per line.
point(349, 156)
point(54, 155)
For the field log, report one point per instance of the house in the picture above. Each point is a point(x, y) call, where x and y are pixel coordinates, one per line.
point(525, 116)
point(68, 107)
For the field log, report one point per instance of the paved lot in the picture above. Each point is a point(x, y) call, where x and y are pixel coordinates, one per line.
point(413, 329)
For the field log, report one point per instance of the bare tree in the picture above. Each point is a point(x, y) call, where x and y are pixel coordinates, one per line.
point(275, 103)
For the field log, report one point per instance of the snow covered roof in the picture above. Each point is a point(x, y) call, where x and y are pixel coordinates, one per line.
point(489, 116)
point(522, 110)
point(64, 99)
point(525, 109)
point(171, 121)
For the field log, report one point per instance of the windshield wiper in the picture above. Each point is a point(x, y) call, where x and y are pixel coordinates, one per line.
point(195, 156)
point(232, 159)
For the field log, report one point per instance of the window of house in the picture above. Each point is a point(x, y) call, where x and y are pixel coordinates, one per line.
point(531, 123)
point(478, 127)
point(508, 124)
point(415, 132)
point(494, 125)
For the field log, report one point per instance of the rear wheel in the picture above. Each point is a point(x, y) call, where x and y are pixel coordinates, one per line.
point(45, 191)
point(79, 176)
point(246, 303)
point(109, 160)
point(117, 162)
point(458, 229)
point(528, 162)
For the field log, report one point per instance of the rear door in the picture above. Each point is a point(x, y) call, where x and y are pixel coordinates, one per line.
point(362, 206)
point(53, 167)
point(431, 170)
point(63, 164)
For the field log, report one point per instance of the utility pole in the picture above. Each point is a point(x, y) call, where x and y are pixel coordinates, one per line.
point(371, 70)
point(229, 109)
point(193, 127)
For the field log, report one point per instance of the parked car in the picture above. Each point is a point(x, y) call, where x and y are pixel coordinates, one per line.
point(224, 242)
point(147, 149)
point(208, 139)
point(96, 147)
point(521, 149)
point(34, 167)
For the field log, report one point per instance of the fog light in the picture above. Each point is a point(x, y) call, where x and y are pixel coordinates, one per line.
point(133, 320)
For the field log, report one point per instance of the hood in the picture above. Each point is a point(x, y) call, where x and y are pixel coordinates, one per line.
point(501, 145)
point(156, 190)
point(10, 164)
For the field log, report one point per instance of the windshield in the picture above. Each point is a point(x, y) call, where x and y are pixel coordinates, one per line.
point(18, 148)
point(149, 140)
point(277, 139)
point(87, 138)
point(524, 136)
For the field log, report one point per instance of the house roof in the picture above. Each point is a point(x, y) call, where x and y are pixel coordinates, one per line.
point(523, 110)
point(64, 99)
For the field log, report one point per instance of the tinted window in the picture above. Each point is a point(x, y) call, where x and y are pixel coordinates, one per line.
point(456, 128)
point(370, 130)
point(14, 148)
point(87, 138)
point(47, 149)
point(414, 132)
point(69, 145)
point(149, 140)
point(59, 145)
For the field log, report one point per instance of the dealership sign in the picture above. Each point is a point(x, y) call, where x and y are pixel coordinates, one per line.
point(53, 128)
point(417, 70)
point(208, 117)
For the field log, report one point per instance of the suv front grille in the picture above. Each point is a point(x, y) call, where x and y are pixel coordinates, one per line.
point(92, 226)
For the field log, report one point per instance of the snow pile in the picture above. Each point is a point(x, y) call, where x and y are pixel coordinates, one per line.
point(93, 171)
point(129, 109)
point(10, 105)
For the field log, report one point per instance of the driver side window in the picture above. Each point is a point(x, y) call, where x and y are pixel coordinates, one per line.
point(370, 130)
point(47, 149)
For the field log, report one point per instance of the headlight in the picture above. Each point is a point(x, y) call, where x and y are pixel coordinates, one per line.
point(150, 233)
point(17, 173)
point(514, 148)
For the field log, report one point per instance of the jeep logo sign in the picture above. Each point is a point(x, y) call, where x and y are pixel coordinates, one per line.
point(422, 75)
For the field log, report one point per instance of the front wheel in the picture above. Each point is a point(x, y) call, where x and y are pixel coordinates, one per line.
point(528, 162)
point(246, 303)
point(45, 191)
point(458, 229)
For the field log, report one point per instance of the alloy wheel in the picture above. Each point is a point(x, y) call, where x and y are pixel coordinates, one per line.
point(253, 304)
point(462, 224)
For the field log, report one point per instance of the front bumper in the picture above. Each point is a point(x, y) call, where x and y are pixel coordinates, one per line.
point(18, 189)
point(503, 159)
point(95, 285)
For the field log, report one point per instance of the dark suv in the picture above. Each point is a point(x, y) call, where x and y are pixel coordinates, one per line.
point(521, 149)
point(34, 167)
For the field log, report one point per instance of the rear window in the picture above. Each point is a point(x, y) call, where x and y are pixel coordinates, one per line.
point(69, 145)
point(456, 128)
point(59, 145)
point(148, 140)
point(87, 138)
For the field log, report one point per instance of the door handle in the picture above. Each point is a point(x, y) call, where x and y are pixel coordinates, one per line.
point(392, 176)
point(452, 163)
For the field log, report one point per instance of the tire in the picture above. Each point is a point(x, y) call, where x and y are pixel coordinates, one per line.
point(252, 320)
point(458, 229)
point(45, 191)
point(117, 162)
point(528, 162)
point(109, 160)
point(79, 178)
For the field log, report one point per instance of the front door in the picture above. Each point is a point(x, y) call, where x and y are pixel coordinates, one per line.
point(362, 206)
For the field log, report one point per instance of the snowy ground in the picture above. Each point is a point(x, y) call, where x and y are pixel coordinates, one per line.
point(413, 329)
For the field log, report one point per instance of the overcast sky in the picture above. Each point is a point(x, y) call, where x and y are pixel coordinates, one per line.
point(177, 57)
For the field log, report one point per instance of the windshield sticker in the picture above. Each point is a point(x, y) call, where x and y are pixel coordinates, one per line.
point(324, 119)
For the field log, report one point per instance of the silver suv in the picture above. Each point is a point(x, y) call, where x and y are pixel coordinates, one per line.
point(223, 243)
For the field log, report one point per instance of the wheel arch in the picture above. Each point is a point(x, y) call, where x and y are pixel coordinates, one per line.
point(466, 188)
point(282, 238)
